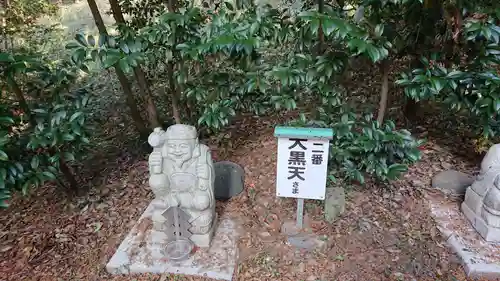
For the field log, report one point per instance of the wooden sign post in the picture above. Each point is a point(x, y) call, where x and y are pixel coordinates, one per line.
point(302, 164)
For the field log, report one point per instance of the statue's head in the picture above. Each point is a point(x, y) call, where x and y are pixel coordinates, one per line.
point(180, 142)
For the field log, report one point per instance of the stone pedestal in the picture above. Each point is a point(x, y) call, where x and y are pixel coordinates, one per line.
point(143, 251)
point(472, 208)
point(481, 259)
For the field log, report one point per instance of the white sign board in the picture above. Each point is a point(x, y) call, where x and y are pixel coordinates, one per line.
point(302, 168)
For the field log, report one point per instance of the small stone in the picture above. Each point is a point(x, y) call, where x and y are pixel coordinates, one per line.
point(417, 183)
point(5, 249)
point(398, 274)
point(334, 203)
point(265, 234)
point(101, 206)
point(397, 198)
point(69, 228)
point(301, 267)
point(266, 202)
point(289, 228)
point(306, 241)
point(364, 225)
point(105, 191)
point(312, 263)
point(446, 165)
point(452, 182)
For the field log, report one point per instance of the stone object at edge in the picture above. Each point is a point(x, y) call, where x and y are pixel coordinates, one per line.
point(182, 175)
point(482, 199)
point(452, 182)
point(481, 259)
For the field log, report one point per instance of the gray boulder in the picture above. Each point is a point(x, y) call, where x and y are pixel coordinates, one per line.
point(452, 182)
point(334, 203)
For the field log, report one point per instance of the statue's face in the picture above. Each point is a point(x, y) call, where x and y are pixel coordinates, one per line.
point(180, 150)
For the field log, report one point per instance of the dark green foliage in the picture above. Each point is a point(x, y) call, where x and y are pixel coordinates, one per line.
point(231, 61)
point(471, 83)
point(362, 145)
point(34, 135)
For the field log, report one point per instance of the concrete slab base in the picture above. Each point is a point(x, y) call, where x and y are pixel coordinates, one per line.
point(301, 238)
point(481, 259)
point(143, 251)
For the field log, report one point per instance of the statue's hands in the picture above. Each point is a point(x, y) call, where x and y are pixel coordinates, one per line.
point(155, 160)
point(186, 199)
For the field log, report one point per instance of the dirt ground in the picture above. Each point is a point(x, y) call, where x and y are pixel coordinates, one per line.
point(386, 233)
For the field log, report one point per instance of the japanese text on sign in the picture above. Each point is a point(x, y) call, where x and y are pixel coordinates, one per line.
point(302, 167)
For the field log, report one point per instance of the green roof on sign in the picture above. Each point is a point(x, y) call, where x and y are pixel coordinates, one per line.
point(303, 132)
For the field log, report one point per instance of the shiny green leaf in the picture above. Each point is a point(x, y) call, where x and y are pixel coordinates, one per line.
point(35, 162)
point(6, 57)
point(91, 40)
point(80, 38)
point(3, 156)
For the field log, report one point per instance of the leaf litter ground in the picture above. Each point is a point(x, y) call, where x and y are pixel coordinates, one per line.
point(385, 233)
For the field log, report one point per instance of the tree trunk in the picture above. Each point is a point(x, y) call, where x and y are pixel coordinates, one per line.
point(411, 107)
point(22, 100)
point(131, 103)
point(97, 17)
point(68, 174)
point(384, 91)
point(134, 111)
point(171, 6)
point(341, 4)
point(154, 121)
point(117, 11)
point(173, 92)
point(66, 171)
point(321, 35)
point(139, 73)
point(4, 24)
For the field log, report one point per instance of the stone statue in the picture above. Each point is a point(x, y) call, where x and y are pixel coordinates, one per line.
point(482, 199)
point(182, 175)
